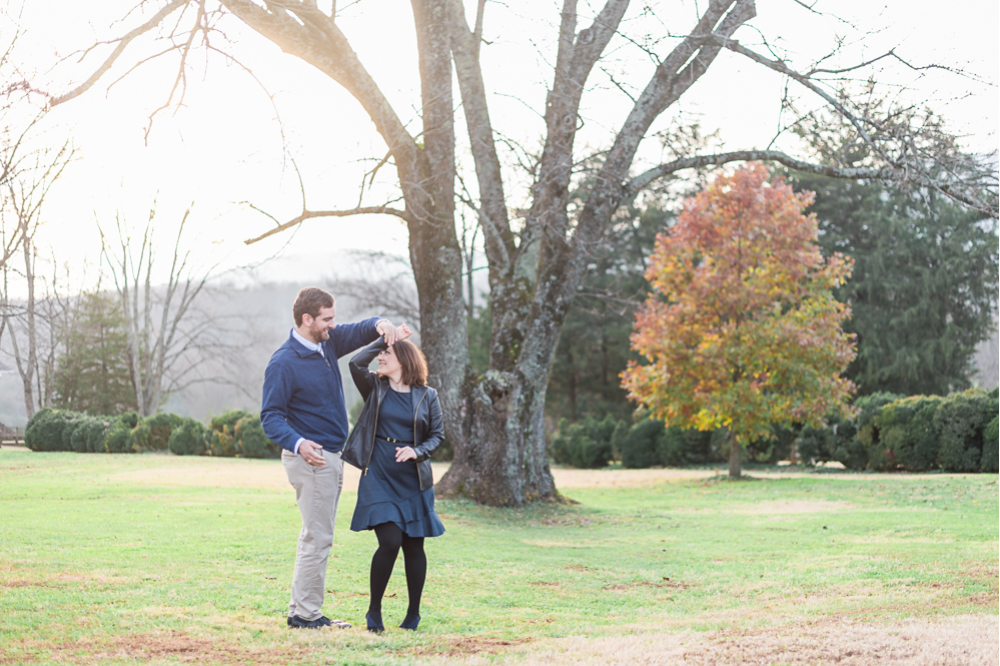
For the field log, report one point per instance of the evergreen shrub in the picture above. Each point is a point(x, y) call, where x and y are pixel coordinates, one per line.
point(44, 430)
point(775, 448)
point(73, 422)
point(140, 437)
point(160, 426)
point(908, 435)
point(588, 445)
point(865, 447)
point(640, 448)
point(227, 420)
point(960, 420)
point(222, 443)
point(222, 438)
point(991, 446)
point(88, 436)
point(116, 439)
point(251, 442)
point(189, 438)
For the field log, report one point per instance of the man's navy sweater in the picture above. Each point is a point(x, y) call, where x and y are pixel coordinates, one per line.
point(303, 390)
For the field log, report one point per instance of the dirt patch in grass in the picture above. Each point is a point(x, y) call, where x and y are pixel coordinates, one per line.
point(175, 646)
point(967, 639)
point(23, 583)
point(59, 579)
point(464, 646)
point(667, 583)
point(769, 508)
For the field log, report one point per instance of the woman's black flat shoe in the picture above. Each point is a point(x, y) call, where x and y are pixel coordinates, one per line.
point(373, 626)
point(410, 622)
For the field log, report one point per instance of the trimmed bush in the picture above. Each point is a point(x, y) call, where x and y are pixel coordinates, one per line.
point(251, 442)
point(44, 430)
point(778, 447)
point(160, 426)
point(227, 420)
point(991, 446)
point(88, 437)
point(641, 446)
point(189, 438)
point(140, 437)
point(72, 424)
point(818, 444)
point(116, 439)
point(907, 432)
point(588, 444)
point(864, 449)
point(960, 420)
point(222, 443)
point(678, 447)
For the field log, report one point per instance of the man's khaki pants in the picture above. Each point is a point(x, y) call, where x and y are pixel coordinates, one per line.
point(317, 491)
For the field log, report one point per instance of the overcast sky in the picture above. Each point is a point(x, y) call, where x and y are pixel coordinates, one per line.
point(224, 146)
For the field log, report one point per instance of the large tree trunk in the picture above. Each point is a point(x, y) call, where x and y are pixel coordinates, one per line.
point(503, 461)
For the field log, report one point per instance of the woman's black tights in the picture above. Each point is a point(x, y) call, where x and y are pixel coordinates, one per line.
point(390, 539)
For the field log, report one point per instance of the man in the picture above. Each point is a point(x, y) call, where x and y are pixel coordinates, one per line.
point(303, 410)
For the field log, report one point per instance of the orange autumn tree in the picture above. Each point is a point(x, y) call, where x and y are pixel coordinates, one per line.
point(741, 329)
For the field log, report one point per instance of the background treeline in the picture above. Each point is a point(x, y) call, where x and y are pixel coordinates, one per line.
point(235, 433)
point(923, 296)
point(957, 433)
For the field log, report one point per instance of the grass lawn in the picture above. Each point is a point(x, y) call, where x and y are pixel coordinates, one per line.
point(163, 559)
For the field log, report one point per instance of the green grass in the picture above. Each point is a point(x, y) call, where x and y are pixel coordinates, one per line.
point(103, 562)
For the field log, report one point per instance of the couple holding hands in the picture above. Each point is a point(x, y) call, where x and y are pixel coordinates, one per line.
point(304, 411)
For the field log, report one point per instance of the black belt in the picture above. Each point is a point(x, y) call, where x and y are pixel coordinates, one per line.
point(394, 441)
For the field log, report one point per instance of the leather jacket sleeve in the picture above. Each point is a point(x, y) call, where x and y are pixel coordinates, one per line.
point(364, 378)
point(435, 431)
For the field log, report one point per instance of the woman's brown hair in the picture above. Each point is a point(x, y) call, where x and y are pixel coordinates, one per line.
point(412, 361)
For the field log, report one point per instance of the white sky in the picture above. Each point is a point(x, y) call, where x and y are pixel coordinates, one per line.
point(224, 145)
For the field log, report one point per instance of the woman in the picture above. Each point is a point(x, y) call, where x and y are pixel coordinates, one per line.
point(399, 428)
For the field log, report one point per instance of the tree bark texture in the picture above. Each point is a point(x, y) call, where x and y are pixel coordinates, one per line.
point(734, 457)
point(496, 420)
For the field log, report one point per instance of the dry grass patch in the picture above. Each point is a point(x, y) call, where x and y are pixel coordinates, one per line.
point(666, 583)
point(768, 508)
point(963, 640)
point(174, 646)
point(446, 647)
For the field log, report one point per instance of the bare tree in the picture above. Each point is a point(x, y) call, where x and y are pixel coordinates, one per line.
point(537, 257)
point(381, 282)
point(25, 192)
point(173, 341)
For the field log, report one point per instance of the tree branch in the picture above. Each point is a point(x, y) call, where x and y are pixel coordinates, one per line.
point(122, 44)
point(309, 214)
point(635, 185)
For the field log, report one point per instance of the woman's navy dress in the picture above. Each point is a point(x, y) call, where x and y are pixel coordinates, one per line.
point(390, 491)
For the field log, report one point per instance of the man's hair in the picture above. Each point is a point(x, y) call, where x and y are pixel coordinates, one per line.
point(413, 362)
point(309, 301)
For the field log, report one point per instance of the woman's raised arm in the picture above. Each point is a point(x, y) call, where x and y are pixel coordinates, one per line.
point(364, 378)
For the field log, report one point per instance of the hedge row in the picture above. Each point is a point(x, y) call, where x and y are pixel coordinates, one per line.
point(234, 434)
point(957, 433)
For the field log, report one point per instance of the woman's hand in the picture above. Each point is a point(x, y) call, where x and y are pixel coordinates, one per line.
point(404, 453)
point(403, 331)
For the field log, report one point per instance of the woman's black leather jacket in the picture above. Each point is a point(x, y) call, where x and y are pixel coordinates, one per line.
point(428, 428)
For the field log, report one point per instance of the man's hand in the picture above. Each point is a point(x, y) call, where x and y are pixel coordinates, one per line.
point(312, 453)
point(387, 331)
point(404, 453)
